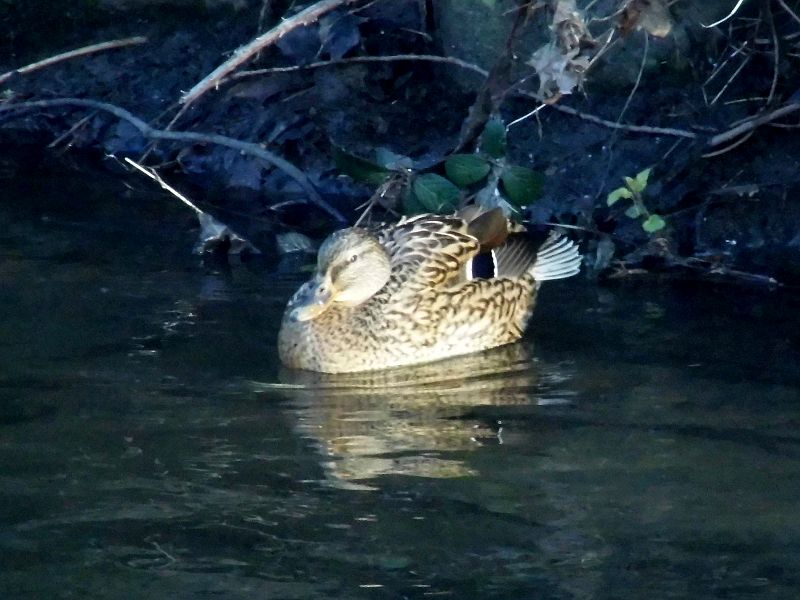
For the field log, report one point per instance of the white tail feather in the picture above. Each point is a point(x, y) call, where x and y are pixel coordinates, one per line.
point(558, 258)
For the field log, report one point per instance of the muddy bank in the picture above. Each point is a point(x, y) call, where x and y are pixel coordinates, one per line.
point(726, 206)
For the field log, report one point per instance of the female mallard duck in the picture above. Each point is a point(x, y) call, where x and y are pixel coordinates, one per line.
point(408, 293)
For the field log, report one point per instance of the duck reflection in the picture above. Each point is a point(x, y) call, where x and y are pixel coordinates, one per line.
point(415, 420)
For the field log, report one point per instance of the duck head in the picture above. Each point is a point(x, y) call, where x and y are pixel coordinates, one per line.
point(352, 266)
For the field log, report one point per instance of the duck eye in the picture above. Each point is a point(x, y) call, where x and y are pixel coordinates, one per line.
point(354, 258)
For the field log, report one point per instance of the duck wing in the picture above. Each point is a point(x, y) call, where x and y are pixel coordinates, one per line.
point(433, 250)
point(556, 258)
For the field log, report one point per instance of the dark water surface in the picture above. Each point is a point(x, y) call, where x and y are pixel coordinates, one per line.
point(642, 443)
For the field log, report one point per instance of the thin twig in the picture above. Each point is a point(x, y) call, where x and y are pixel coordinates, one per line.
point(744, 100)
point(496, 86)
point(613, 125)
point(775, 54)
point(388, 188)
point(132, 41)
point(723, 19)
point(80, 123)
point(370, 204)
point(151, 173)
point(753, 123)
point(730, 80)
point(475, 69)
point(242, 54)
point(671, 149)
point(638, 81)
point(526, 116)
point(718, 68)
point(610, 42)
point(792, 14)
point(191, 136)
point(613, 138)
point(607, 18)
point(730, 147)
point(362, 59)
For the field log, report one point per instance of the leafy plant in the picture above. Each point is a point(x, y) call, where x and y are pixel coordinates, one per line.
point(466, 169)
point(498, 183)
point(360, 169)
point(493, 139)
point(519, 185)
point(632, 190)
point(522, 185)
point(435, 193)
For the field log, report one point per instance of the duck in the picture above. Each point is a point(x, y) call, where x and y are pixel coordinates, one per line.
point(426, 288)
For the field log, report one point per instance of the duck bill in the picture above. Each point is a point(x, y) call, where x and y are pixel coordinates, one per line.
point(311, 300)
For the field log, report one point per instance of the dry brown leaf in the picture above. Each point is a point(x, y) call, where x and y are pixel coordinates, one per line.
point(651, 15)
point(559, 73)
point(560, 65)
point(216, 236)
point(570, 27)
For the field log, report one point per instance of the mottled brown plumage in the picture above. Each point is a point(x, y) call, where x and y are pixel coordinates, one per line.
point(404, 295)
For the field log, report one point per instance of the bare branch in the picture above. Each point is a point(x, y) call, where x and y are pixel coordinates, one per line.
point(151, 173)
point(133, 41)
point(638, 81)
point(753, 123)
point(789, 10)
point(190, 136)
point(364, 59)
point(80, 123)
point(613, 125)
point(775, 54)
point(244, 53)
point(475, 69)
point(723, 19)
point(731, 146)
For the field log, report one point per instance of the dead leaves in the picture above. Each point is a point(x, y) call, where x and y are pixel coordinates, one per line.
point(651, 15)
point(559, 73)
point(561, 64)
point(216, 237)
point(569, 26)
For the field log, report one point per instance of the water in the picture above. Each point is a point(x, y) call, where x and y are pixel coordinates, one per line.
point(643, 443)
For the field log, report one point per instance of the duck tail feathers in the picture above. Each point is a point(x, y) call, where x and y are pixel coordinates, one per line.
point(557, 258)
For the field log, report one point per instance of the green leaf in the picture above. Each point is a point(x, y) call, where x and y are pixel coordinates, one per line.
point(620, 192)
point(522, 185)
point(641, 181)
point(466, 169)
point(359, 168)
point(493, 138)
point(631, 183)
point(633, 211)
point(653, 223)
point(435, 193)
point(411, 205)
